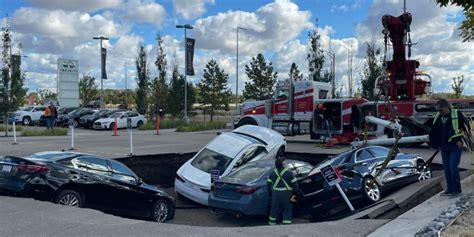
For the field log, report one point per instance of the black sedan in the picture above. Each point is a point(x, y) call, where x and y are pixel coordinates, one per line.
point(75, 114)
point(357, 169)
point(84, 180)
point(87, 121)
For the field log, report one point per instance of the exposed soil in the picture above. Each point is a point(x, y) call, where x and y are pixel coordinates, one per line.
point(463, 226)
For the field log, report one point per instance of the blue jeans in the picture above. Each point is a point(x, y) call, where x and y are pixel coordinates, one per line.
point(451, 155)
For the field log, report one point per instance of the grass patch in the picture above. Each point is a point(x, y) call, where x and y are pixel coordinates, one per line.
point(19, 128)
point(33, 132)
point(164, 124)
point(200, 126)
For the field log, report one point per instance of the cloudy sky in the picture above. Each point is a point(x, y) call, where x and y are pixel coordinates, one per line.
point(52, 29)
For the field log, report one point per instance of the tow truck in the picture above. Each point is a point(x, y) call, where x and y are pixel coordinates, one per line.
point(398, 108)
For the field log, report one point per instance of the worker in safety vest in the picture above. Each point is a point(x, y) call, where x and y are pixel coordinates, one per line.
point(282, 186)
point(447, 135)
point(48, 115)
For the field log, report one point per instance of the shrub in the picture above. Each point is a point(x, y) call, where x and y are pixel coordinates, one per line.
point(31, 132)
point(200, 126)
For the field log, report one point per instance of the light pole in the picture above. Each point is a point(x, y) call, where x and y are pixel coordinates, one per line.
point(185, 27)
point(100, 38)
point(237, 68)
point(332, 56)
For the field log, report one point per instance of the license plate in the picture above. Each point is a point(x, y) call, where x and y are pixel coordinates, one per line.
point(6, 168)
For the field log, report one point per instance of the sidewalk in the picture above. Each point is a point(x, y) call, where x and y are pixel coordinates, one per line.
point(415, 219)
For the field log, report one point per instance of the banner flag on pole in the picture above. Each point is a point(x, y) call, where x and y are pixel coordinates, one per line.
point(190, 56)
point(103, 60)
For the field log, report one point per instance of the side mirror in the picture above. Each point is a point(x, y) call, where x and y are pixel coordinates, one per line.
point(139, 181)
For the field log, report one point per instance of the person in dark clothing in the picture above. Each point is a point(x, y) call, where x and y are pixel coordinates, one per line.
point(281, 186)
point(447, 135)
point(54, 114)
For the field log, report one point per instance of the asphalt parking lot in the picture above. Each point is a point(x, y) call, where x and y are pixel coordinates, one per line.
point(188, 213)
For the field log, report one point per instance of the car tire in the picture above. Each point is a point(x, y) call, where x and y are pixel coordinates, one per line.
point(112, 125)
point(26, 121)
point(69, 198)
point(246, 121)
point(139, 124)
point(424, 171)
point(75, 124)
point(161, 211)
point(318, 215)
point(371, 190)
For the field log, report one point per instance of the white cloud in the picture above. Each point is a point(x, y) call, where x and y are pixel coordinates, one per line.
point(191, 9)
point(75, 5)
point(270, 27)
point(142, 11)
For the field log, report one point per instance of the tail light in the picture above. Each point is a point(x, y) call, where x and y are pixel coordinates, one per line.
point(179, 178)
point(33, 168)
point(246, 190)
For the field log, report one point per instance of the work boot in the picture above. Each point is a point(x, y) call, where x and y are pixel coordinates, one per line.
point(455, 194)
point(445, 193)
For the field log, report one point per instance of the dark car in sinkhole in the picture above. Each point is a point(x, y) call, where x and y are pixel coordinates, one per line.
point(84, 180)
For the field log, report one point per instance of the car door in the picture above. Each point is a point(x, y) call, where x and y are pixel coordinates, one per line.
point(122, 121)
point(360, 164)
point(129, 196)
point(36, 113)
point(396, 171)
point(95, 181)
point(135, 117)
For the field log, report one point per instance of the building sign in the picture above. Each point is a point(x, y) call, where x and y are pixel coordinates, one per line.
point(68, 83)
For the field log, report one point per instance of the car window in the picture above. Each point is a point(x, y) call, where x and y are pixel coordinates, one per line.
point(132, 114)
point(363, 155)
point(27, 109)
point(37, 109)
point(253, 153)
point(379, 151)
point(91, 164)
point(121, 172)
point(248, 173)
point(208, 160)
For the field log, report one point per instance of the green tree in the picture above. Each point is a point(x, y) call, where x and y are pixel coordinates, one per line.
point(467, 26)
point(372, 70)
point(261, 79)
point(295, 73)
point(316, 58)
point(458, 86)
point(159, 87)
point(142, 81)
point(176, 94)
point(213, 88)
point(5, 77)
point(88, 89)
point(45, 94)
point(17, 84)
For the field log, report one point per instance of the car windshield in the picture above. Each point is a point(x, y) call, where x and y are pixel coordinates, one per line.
point(100, 113)
point(76, 111)
point(208, 160)
point(248, 173)
point(27, 109)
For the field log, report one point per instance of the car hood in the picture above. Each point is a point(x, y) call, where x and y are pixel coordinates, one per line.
point(156, 190)
point(195, 175)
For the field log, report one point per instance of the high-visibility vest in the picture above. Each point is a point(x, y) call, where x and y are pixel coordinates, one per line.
point(279, 178)
point(454, 122)
point(47, 112)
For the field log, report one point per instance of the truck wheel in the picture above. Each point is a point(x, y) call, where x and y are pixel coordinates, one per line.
point(246, 121)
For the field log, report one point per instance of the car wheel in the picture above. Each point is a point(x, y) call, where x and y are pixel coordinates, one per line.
point(26, 121)
point(320, 214)
point(161, 211)
point(76, 124)
point(139, 124)
point(371, 190)
point(112, 125)
point(69, 198)
point(424, 171)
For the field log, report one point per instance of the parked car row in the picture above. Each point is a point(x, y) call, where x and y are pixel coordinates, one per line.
point(245, 157)
point(82, 117)
point(84, 180)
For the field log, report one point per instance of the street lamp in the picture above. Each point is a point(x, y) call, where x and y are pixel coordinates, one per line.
point(237, 68)
point(100, 38)
point(186, 27)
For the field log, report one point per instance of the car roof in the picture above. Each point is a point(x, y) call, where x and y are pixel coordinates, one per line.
point(229, 144)
point(56, 155)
